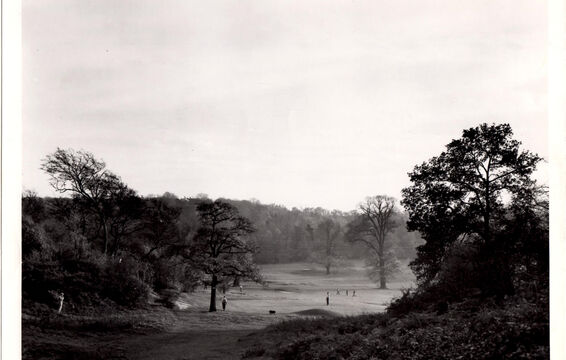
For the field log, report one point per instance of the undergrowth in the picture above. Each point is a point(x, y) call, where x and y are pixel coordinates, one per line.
point(474, 328)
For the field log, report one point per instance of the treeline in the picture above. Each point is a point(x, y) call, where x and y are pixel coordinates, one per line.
point(289, 235)
point(104, 243)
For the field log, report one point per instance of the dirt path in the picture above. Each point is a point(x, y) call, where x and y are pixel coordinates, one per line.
point(188, 345)
point(198, 335)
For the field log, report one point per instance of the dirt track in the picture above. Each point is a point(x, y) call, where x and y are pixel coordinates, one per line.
point(188, 345)
point(198, 335)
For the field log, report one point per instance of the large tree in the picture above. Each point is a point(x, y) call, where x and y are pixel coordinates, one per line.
point(220, 247)
point(460, 194)
point(82, 175)
point(374, 222)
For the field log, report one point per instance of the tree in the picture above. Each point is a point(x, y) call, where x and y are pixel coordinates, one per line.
point(125, 209)
point(372, 225)
point(81, 174)
point(160, 226)
point(33, 206)
point(219, 248)
point(329, 232)
point(459, 195)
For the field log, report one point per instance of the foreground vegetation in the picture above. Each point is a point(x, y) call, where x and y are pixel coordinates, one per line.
point(474, 328)
point(46, 335)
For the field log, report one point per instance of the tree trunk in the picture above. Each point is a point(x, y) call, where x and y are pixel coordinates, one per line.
point(213, 294)
point(105, 227)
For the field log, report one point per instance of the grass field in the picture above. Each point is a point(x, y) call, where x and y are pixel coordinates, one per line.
point(292, 288)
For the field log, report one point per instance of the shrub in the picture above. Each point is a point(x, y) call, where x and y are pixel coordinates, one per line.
point(35, 245)
point(123, 286)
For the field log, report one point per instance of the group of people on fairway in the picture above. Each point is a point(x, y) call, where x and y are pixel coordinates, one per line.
point(337, 293)
point(225, 301)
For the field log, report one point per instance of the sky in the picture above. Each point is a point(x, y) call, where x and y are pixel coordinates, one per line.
point(293, 102)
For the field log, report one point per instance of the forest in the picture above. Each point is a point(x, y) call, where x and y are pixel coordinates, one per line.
point(102, 244)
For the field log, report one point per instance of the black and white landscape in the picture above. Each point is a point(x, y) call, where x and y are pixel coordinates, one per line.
point(285, 180)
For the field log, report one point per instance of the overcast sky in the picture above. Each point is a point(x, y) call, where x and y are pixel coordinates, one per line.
point(299, 103)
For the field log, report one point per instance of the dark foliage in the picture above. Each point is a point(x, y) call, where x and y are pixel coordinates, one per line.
point(457, 198)
point(221, 248)
point(416, 328)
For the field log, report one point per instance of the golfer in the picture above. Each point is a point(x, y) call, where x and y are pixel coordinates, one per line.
point(224, 302)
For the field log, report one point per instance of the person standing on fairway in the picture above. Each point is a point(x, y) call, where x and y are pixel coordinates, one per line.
point(327, 298)
point(224, 302)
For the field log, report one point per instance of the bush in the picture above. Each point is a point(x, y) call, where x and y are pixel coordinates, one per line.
point(86, 283)
point(472, 329)
point(35, 244)
point(122, 285)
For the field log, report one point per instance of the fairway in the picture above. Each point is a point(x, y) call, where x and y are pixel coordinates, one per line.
point(299, 287)
point(292, 290)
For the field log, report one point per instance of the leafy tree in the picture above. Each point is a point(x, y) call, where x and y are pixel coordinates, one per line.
point(459, 196)
point(371, 227)
point(125, 209)
point(159, 226)
point(82, 175)
point(219, 248)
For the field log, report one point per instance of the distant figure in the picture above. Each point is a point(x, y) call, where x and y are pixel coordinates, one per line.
point(61, 298)
point(337, 291)
point(327, 298)
point(224, 302)
point(346, 292)
point(241, 289)
point(353, 293)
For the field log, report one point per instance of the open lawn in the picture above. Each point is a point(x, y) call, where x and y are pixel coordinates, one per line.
point(292, 288)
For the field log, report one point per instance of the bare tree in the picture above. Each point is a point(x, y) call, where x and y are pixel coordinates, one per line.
point(370, 227)
point(82, 175)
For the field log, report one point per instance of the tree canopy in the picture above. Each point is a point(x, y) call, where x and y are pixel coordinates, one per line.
point(85, 177)
point(220, 248)
point(461, 194)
